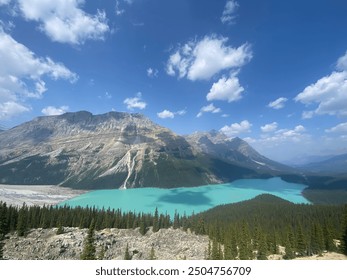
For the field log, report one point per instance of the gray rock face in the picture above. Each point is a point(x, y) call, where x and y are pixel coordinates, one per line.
point(121, 150)
point(234, 150)
point(45, 244)
point(113, 150)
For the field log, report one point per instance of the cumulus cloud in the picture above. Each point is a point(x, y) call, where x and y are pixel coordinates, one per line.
point(9, 109)
point(269, 127)
point(236, 128)
point(278, 103)
point(64, 21)
point(229, 11)
point(166, 114)
point(200, 60)
point(340, 128)
point(152, 73)
point(54, 111)
point(135, 102)
point(342, 63)
point(23, 74)
point(228, 89)
point(208, 109)
point(328, 93)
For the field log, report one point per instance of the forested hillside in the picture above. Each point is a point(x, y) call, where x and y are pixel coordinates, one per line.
point(251, 229)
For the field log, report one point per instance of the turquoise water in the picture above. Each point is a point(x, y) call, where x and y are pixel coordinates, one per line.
point(188, 200)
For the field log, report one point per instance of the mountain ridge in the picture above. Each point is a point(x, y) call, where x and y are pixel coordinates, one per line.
point(121, 150)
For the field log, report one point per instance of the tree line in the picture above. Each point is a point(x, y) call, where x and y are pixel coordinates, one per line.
point(251, 229)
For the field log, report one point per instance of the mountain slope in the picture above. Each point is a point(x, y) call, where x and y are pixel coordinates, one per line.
point(234, 150)
point(333, 165)
point(112, 150)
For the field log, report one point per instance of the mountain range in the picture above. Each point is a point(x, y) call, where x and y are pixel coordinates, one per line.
point(332, 165)
point(122, 150)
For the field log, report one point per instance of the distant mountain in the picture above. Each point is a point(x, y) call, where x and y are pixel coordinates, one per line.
point(303, 160)
point(332, 165)
point(113, 150)
point(234, 150)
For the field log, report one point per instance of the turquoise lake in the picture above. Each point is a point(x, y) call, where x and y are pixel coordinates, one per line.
point(188, 200)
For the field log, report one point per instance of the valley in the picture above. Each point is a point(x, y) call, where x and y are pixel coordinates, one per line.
point(63, 172)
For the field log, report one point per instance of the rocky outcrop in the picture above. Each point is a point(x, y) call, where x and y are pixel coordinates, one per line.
point(46, 244)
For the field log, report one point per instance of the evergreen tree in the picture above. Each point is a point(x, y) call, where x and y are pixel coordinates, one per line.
point(344, 238)
point(89, 246)
point(22, 223)
point(262, 248)
point(143, 225)
point(156, 221)
point(3, 219)
point(301, 243)
point(216, 252)
point(1, 247)
point(127, 254)
point(60, 229)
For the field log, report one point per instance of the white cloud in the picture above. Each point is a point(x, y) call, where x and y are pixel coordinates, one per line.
point(208, 109)
point(119, 10)
point(181, 112)
point(329, 92)
point(340, 128)
point(278, 103)
point(53, 111)
point(269, 127)
point(22, 73)
point(135, 102)
point(200, 60)
point(10, 109)
point(152, 73)
point(236, 128)
point(166, 114)
point(228, 15)
point(64, 21)
point(307, 115)
point(228, 89)
point(342, 63)
point(4, 2)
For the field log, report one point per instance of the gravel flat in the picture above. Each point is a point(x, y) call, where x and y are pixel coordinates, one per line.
point(36, 195)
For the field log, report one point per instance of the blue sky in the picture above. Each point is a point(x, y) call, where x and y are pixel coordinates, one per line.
point(271, 72)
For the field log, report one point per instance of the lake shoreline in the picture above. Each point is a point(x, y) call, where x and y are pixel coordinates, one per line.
point(39, 195)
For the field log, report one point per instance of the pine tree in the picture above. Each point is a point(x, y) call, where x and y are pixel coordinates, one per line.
point(262, 248)
point(1, 247)
point(143, 225)
point(89, 246)
point(301, 244)
point(60, 229)
point(344, 238)
point(156, 221)
point(22, 223)
point(3, 219)
point(127, 254)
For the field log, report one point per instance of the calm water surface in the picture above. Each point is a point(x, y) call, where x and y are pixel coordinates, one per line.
point(188, 200)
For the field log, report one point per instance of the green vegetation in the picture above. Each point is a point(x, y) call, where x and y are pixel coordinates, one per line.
point(256, 228)
point(89, 246)
point(251, 229)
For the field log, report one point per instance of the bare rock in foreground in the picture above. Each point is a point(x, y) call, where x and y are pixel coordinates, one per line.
point(45, 244)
